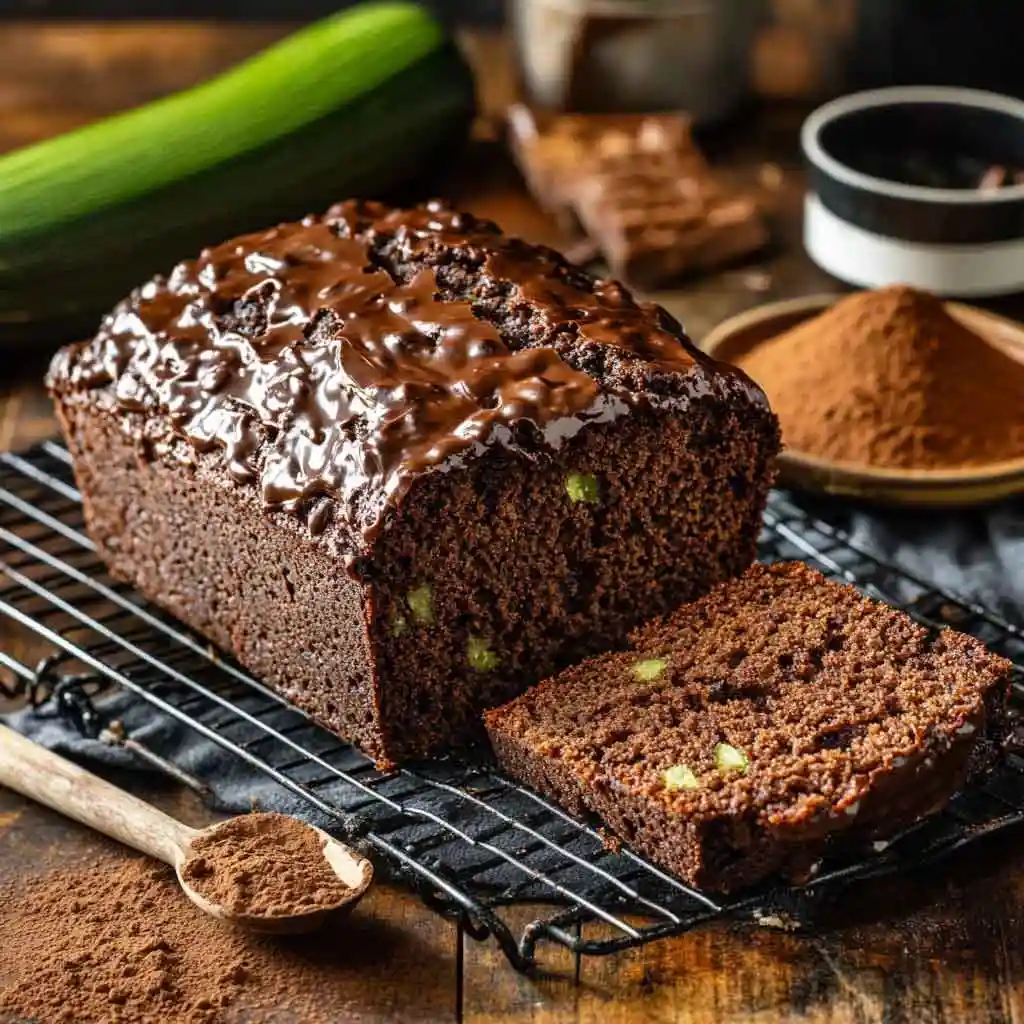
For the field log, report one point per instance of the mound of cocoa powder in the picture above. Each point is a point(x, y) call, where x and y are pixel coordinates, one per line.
point(264, 865)
point(891, 379)
point(115, 941)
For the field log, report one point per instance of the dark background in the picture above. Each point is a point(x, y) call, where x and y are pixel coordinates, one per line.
point(896, 42)
point(465, 11)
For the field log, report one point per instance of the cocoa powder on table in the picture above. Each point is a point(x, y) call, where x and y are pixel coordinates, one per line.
point(116, 941)
point(264, 865)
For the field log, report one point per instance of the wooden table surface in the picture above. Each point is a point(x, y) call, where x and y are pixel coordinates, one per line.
point(946, 947)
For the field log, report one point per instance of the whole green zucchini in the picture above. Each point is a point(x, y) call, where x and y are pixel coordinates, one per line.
point(359, 104)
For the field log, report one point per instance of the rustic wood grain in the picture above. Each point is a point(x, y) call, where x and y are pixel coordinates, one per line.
point(946, 948)
point(941, 948)
point(58, 76)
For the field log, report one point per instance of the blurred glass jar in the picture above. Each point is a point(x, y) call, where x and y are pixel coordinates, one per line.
point(635, 55)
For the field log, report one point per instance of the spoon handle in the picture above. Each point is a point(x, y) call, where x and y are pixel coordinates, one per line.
point(48, 778)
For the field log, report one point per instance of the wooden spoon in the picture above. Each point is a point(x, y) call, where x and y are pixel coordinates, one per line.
point(50, 779)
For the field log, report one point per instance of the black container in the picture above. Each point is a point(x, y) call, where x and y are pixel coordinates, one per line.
point(901, 190)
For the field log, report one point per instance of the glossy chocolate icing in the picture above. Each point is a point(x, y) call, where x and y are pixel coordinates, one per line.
point(320, 372)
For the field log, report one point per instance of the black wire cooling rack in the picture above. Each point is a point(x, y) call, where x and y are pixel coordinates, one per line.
point(469, 841)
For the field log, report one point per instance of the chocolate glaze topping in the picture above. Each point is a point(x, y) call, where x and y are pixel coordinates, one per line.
point(325, 360)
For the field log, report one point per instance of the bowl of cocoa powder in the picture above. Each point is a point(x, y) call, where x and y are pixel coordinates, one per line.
point(921, 186)
point(892, 395)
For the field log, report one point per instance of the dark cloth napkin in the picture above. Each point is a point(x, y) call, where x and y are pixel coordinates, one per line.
point(976, 555)
point(230, 784)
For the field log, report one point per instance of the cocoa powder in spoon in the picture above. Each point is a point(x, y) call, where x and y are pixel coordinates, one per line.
point(264, 865)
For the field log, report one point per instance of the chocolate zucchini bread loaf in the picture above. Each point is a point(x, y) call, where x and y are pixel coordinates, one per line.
point(402, 466)
point(747, 729)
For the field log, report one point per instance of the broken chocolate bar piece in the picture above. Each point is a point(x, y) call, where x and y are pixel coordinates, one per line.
point(638, 188)
point(553, 152)
point(658, 218)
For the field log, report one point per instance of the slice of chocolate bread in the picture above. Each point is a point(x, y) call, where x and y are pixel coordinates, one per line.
point(403, 466)
point(749, 728)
